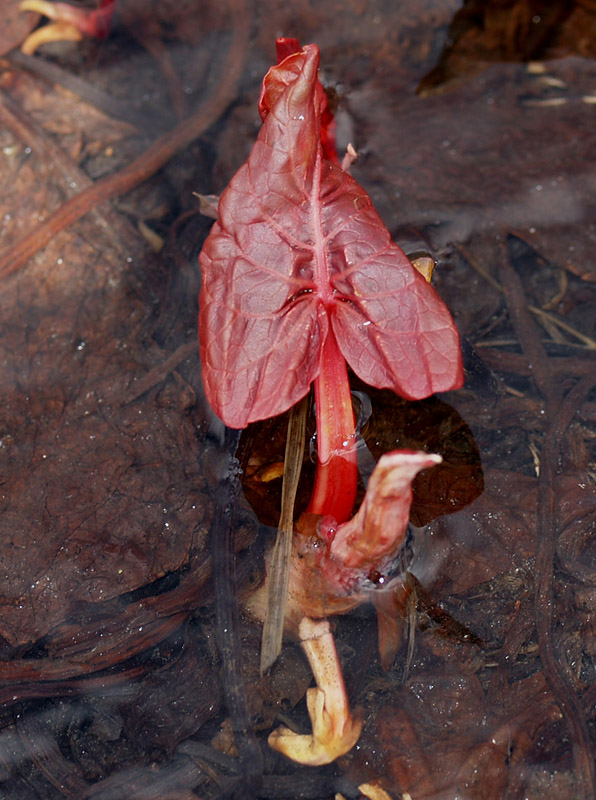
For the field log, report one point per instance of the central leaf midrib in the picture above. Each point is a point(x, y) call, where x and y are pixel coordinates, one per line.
point(320, 252)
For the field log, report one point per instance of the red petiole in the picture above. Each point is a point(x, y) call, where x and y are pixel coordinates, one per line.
point(336, 476)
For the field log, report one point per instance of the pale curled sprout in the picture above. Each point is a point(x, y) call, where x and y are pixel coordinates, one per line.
point(373, 791)
point(54, 32)
point(334, 729)
point(70, 23)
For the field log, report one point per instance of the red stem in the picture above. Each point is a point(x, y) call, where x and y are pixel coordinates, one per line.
point(337, 470)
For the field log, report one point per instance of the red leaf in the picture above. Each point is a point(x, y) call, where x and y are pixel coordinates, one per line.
point(298, 247)
point(277, 79)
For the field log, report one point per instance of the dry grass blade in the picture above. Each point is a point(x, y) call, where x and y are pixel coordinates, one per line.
point(279, 572)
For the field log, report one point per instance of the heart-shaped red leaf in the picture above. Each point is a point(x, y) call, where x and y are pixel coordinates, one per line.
point(298, 247)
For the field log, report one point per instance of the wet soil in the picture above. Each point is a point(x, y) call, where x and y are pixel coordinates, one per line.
point(474, 128)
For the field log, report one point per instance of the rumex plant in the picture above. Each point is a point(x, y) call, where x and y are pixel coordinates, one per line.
point(300, 276)
point(301, 279)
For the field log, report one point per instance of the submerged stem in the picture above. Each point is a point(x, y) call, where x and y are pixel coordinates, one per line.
point(337, 472)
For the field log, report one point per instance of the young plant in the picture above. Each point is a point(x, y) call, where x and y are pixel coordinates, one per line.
point(300, 275)
point(69, 22)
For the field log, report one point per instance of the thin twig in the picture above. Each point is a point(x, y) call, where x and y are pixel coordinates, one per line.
point(160, 371)
point(527, 331)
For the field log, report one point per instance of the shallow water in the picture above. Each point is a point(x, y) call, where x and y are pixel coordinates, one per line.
point(110, 460)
